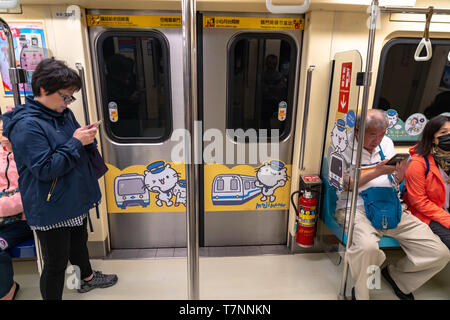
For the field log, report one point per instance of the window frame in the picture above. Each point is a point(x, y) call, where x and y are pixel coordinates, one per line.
point(381, 67)
point(291, 82)
point(165, 48)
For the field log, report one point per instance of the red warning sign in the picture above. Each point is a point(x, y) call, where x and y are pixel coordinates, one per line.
point(344, 90)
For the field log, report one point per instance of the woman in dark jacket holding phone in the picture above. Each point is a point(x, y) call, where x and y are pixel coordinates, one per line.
point(56, 178)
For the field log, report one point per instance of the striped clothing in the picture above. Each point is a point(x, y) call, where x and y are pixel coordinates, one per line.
point(75, 222)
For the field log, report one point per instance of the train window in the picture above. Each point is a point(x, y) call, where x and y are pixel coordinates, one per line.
point(220, 184)
point(233, 184)
point(412, 92)
point(131, 186)
point(247, 185)
point(261, 80)
point(135, 80)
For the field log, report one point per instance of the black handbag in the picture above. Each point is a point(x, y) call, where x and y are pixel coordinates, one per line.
point(97, 162)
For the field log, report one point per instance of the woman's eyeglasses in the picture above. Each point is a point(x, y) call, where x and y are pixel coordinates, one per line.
point(66, 99)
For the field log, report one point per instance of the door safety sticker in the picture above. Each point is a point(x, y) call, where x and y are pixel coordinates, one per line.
point(113, 112)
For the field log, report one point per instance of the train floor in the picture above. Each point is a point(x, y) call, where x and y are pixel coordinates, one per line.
point(272, 275)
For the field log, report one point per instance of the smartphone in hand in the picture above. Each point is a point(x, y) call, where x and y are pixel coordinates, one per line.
point(95, 124)
point(399, 157)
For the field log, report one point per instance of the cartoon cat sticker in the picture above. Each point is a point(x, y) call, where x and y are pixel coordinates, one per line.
point(339, 136)
point(161, 178)
point(180, 193)
point(271, 176)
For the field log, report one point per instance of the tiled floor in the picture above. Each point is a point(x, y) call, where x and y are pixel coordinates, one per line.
point(268, 276)
point(234, 251)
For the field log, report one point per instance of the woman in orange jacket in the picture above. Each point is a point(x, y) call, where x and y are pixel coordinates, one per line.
point(428, 178)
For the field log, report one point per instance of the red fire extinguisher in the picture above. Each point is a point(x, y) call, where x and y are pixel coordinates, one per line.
point(306, 218)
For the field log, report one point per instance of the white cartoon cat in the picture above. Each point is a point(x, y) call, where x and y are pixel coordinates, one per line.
point(161, 179)
point(180, 193)
point(271, 176)
point(339, 136)
point(392, 117)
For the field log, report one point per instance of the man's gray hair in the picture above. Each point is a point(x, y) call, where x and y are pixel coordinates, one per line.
point(375, 118)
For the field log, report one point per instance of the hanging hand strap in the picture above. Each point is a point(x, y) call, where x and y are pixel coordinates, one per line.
point(425, 42)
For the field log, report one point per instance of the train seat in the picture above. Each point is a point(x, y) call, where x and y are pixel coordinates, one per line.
point(328, 213)
point(26, 249)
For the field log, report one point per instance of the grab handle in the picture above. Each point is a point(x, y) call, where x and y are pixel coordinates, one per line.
point(305, 116)
point(80, 68)
point(287, 9)
point(425, 42)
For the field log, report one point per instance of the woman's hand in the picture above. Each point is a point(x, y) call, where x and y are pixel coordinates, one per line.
point(85, 135)
point(401, 168)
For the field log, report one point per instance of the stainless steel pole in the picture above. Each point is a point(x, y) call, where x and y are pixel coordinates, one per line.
point(367, 82)
point(413, 10)
point(192, 146)
point(12, 62)
point(305, 116)
point(87, 118)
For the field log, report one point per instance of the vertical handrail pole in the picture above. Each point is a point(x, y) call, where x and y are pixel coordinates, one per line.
point(192, 148)
point(12, 62)
point(80, 68)
point(374, 10)
point(305, 116)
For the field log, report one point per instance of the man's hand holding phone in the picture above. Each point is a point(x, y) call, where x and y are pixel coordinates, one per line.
point(399, 157)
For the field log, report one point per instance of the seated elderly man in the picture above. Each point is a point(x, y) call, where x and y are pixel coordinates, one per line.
point(425, 256)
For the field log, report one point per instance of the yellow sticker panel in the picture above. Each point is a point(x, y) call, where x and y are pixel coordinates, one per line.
point(133, 21)
point(247, 188)
point(157, 187)
point(254, 23)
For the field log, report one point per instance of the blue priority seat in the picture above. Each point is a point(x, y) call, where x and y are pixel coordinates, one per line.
point(329, 208)
point(26, 249)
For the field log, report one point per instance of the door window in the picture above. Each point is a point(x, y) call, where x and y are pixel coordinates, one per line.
point(135, 80)
point(412, 92)
point(261, 79)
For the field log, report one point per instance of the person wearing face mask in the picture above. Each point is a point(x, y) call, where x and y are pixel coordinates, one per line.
point(13, 227)
point(428, 178)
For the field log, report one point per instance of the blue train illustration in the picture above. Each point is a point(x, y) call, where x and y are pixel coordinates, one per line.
point(233, 189)
point(130, 190)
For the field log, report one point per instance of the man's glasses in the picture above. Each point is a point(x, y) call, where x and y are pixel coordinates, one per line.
point(66, 99)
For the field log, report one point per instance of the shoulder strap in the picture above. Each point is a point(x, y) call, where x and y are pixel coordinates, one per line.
point(427, 163)
point(381, 153)
point(382, 158)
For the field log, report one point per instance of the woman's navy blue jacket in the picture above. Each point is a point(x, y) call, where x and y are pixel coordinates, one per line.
point(56, 179)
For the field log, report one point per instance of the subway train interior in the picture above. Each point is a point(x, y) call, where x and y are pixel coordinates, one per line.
point(291, 75)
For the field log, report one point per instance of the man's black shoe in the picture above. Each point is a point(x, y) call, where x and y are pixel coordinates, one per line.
point(397, 291)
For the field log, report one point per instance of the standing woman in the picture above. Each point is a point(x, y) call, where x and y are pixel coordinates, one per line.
point(56, 178)
point(428, 177)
